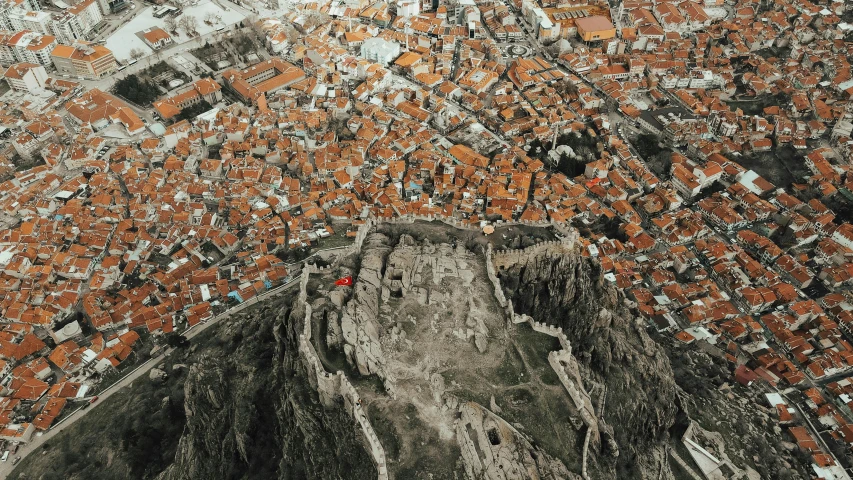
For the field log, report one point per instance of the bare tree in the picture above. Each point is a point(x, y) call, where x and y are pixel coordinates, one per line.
point(291, 33)
point(314, 19)
point(171, 24)
point(192, 23)
point(211, 18)
point(256, 28)
point(136, 54)
point(189, 23)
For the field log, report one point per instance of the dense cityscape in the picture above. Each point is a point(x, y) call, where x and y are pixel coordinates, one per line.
point(165, 163)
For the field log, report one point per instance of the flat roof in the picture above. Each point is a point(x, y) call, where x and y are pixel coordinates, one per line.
point(594, 23)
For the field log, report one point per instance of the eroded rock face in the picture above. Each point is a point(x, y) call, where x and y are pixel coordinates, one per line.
point(425, 319)
point(254, 415)
point(360, 328)
point(414, 317)
point(613, 348)
point(157, 375)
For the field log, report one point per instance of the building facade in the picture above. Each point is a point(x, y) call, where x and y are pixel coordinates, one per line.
point(27, 77)
point(83, 60)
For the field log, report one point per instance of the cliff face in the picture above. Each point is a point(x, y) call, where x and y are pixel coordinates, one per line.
point(253, 413)
point(568, 291)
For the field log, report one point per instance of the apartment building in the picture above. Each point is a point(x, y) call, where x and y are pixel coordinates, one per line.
point(83, 59)
point(73, 23)
point(380, 50)
point(8, 7)
point(32, 20)
point(26, 46)
point(77, 22)
point(27, 77)
point(114, 6)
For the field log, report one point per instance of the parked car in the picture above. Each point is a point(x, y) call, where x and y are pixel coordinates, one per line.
point(94, 399)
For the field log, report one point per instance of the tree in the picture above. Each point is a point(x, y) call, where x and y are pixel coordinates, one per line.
point(291, 33)
point(569, 88)
point(314, 19)
point(171, 24)
point(141, 92)
point(569, 166)
point(211, 18)
point(176, 340)
point(189, 23)
point(136, 54)
point(647, 145)
point(193, 111)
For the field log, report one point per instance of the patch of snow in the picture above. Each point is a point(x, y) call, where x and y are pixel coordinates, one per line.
point(123, 40)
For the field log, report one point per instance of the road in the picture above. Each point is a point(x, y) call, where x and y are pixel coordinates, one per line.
point(37, 441)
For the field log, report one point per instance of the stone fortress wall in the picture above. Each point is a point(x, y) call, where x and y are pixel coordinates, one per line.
point(330, 386)
point(333, 385)
point(562, 361)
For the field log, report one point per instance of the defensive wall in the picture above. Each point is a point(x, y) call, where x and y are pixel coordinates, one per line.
point(333, 385)
point(330, 386)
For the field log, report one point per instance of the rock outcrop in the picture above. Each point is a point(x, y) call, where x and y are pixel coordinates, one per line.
point(359, 326)
point(556, 286)
point(254, 415)
point(390, 378)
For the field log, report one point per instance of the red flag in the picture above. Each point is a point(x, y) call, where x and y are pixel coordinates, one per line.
point(346, 281)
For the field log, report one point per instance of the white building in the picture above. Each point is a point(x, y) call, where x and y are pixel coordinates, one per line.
point(843, 128)
point(380, 50)
point(77, 22)
point(27, 77)
point(844, 235)
point(26, 46)
point(702, 79)
point(7, 7)
point(30, 20)
point(408, 8)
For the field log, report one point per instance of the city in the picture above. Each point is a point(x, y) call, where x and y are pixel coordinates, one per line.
point(165, 163)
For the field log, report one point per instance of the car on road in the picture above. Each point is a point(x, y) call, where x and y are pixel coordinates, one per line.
point(16, 460)
point(94, 399)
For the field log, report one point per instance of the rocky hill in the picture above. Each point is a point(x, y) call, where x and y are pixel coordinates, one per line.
point(557, 286)
point(253, 414)
point(443, 360)
point(236, 404)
